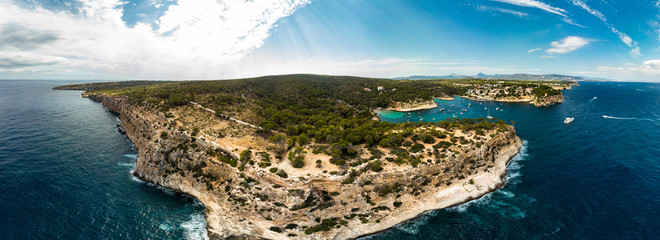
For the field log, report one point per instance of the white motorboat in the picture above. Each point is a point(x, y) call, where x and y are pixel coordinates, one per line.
point(568, 120)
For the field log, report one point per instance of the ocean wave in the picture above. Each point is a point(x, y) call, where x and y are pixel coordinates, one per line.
point(131, 156)
point(127, 164)
point(195, 228)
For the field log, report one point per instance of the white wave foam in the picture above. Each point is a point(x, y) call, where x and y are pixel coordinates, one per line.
point(513, 170)
point(165, 226)
point(131, 156)
point(483, 200)
point(195, 228)
point(413, 227)
point(127, 165)
point(133, 177)
point(512, 178)
point(165, 190)
point(507, 194)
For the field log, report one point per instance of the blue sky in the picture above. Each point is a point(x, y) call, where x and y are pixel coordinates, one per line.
point(209, 39)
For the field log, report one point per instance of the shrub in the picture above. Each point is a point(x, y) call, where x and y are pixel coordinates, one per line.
point(273, 170)
point(291, 226)
point(281, 173)
point(428, 139)
point(163, 135)
point(325, 225)
point(417, 148)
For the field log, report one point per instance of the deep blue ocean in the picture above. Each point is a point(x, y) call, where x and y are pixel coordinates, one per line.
point(65, 171)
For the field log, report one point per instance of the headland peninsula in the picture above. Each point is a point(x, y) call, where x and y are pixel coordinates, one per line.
point(305, 156)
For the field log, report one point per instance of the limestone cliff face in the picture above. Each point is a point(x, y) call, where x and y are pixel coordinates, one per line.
point(252, 203)
point(162, 163)
point(548, 100)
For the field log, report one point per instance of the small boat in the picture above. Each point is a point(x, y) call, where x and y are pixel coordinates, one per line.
point(489, 117)
point(464, 110)
point(454, 116)
point(497, 108)
point(442, 109)
point(568, 120)
point(485, 108)
point(451, 105)
point(461, 113)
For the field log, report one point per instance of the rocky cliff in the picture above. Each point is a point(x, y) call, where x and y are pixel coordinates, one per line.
point(412, 106)
point(249, 202)
point(548, 100)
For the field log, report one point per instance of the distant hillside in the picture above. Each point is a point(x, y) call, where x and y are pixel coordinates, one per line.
point(517, 76)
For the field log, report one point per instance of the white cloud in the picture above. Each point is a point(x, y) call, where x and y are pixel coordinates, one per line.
point(482, 8)
point(544, 7)
point(568, 44)
point(648, 71)
point(547, 56)
point(634, 51)
point(193, 39)
point(535, 4)
point(652, 65)
point(533, 50)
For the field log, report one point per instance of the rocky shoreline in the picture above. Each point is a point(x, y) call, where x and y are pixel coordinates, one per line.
point(225, 218)
point(540, 102)
point(412, 106)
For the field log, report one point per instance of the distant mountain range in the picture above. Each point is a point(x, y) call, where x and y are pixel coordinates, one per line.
point(517, 76)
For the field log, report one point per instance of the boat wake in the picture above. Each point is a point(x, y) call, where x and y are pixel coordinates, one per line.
point(593, 99)
point(627, 118)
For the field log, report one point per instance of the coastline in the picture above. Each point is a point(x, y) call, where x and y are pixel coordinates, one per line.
point(416, 106)
point(220, 227)
point(453, 195)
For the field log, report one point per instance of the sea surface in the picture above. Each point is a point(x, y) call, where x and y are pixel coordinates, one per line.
point(65, 171)
point(596, 178)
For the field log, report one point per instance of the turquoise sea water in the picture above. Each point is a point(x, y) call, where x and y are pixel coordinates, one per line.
point(65, 171)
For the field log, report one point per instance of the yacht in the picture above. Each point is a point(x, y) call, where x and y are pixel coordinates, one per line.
point(568, 120)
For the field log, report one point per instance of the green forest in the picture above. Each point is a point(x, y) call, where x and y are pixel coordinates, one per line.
point(332, 110)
